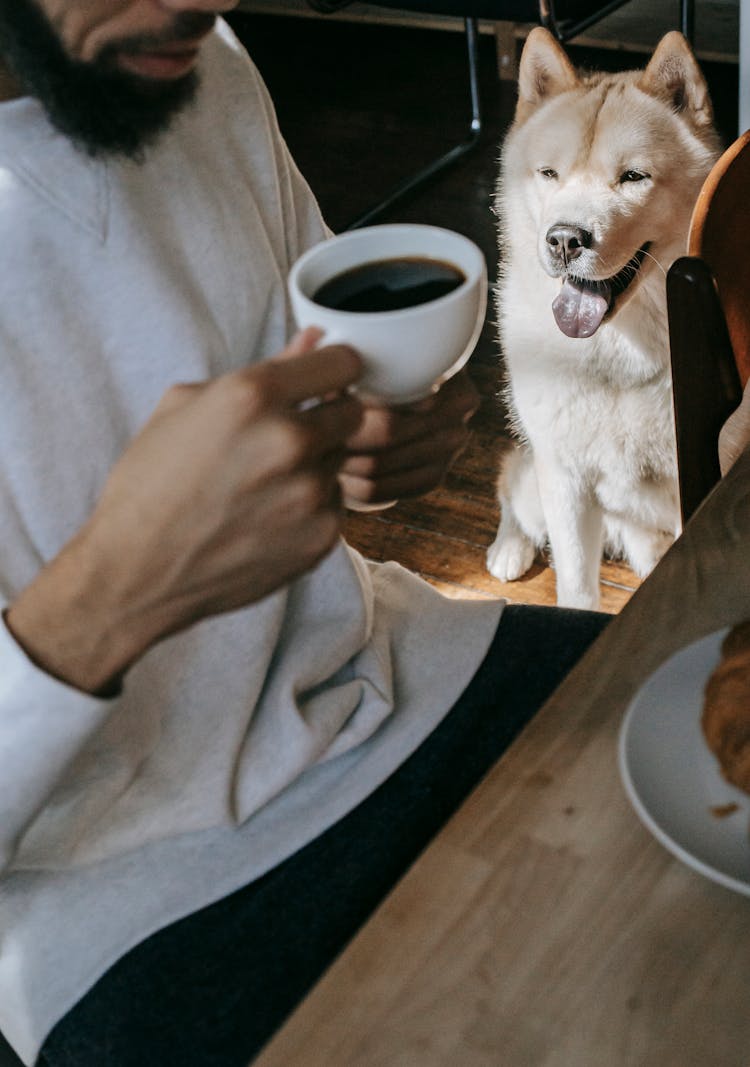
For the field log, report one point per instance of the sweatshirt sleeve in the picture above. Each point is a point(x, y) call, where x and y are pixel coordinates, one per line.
point(43, 724)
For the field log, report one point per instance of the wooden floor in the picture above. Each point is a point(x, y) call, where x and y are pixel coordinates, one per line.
point(361, 106)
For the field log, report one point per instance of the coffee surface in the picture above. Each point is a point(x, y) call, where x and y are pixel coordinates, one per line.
point(389, 284)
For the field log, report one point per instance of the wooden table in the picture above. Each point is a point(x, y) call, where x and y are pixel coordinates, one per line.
point(544, 926)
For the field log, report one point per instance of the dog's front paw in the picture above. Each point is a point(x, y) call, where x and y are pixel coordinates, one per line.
point(510, 556)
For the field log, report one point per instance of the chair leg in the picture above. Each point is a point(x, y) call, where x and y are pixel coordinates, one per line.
point(506, 44)
point(452, 155)
point(565, 30)
point(687, 19)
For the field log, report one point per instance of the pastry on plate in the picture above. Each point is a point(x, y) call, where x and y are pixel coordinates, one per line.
point(726, 707)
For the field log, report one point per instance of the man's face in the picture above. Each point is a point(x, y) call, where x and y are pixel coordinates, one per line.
point(109, 73)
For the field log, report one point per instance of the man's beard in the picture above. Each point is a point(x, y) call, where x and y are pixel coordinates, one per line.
point(103, 110)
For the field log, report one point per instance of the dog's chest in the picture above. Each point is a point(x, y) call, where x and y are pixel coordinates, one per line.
point(594, 425)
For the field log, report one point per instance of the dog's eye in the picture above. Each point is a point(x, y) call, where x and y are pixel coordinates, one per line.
point(632, 176)
point(548, 172)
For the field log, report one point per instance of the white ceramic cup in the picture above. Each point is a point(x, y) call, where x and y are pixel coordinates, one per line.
point(409, 352)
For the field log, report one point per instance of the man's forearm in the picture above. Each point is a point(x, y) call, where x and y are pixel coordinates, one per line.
point(67, 626)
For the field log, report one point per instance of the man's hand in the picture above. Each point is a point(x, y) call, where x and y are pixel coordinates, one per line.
point(406, 451)
point(229, 492)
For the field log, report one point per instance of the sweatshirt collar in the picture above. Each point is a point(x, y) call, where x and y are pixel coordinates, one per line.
point(48, 162)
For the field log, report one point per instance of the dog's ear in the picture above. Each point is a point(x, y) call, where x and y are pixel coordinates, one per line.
point(673, 75)
point(544, 71)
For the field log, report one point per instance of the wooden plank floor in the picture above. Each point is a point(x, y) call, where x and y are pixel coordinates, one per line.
point(361, 106)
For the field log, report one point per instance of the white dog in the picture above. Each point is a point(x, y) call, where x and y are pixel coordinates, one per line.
point(598, 179)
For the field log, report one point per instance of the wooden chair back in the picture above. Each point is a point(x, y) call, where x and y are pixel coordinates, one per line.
point(720, 234)
point(709, 322)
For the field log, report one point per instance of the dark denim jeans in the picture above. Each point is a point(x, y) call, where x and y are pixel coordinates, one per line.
point(210, 990)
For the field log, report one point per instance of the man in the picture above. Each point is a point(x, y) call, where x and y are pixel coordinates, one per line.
point(223, 735)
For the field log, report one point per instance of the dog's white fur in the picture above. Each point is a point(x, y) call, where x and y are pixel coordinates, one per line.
point(622, 157)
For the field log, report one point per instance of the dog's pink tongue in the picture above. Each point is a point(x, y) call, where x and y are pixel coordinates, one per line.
point(579, 309)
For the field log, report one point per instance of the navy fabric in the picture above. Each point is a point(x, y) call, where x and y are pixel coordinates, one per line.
point(210, 990)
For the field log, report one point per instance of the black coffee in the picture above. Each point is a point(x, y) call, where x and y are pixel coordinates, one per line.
point(389, 284)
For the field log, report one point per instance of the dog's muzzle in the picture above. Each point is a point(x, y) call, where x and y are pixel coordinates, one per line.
point(582, 303)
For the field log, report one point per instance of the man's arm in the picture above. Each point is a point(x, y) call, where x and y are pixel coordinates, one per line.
point(229, 492)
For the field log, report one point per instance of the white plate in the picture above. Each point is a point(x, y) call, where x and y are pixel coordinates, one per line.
point(672, 778)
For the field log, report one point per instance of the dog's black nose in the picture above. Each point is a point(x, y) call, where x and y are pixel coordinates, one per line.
point(566, 242)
